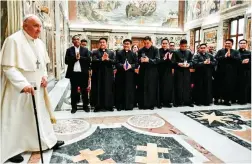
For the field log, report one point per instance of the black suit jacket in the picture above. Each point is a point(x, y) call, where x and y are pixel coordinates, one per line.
point(84, 60)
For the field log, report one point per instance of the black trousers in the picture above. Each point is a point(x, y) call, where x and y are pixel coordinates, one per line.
point(79, 79)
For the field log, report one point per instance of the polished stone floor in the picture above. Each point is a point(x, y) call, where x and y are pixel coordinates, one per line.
point(214, 134)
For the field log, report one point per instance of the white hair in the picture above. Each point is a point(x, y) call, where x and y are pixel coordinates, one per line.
point(30, 16)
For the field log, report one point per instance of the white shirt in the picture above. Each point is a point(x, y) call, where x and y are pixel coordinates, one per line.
point(77, 67)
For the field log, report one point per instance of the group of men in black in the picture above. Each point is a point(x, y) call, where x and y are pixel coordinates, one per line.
point(164, 77)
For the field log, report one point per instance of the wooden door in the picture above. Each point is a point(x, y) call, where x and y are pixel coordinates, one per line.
point(138, 41)
point(94, 44)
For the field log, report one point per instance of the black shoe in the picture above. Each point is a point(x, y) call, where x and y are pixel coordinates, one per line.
point(233, 101)
point(206, 104)
point(73, 110)
point(198, 104)
point(217, 103)
point(109, 109)
point(159, 107)
point(86, 108)
point(17, 159)
point(175, 105)
point(118, 109)
point(96, 109)
point(227, 103)
point(168, 106)
point(152, 108)
point(58, 144)
point(190, 105)
point(241, 103)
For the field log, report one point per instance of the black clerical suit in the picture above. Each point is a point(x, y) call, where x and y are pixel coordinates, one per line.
point(227, 72)
point(102, 81)
point(165, 79)
point(125, 80)
point(78, 78)
point(148, 78)
point(182, 78)
point(203, 78)
point(244, 84)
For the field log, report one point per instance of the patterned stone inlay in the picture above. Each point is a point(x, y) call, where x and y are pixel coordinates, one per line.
point(146, 121)
point(70, 126)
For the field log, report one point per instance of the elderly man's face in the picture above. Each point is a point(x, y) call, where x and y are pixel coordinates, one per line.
point(33, 27)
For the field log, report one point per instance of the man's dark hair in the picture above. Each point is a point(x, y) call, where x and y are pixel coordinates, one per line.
point(183, 41)
point(75, 36)
point(103, 39)
point(127, 40)
point(243, 40)
point(164, 40)
point(147, 38)
point(203, 44)
point(83, 40)
point(173, 43)
point(231, 40)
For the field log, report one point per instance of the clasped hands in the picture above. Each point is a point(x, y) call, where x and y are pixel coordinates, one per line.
point(207, 61)
point(186, 65)
point(30, 88)
point(144, 59)
point(105, 56)
point(228, 53)
point(245, 61)
point(78, 56)
point(129, 67)
point(168, 55)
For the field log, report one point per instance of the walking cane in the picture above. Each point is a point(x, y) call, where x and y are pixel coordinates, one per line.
point(37, 124)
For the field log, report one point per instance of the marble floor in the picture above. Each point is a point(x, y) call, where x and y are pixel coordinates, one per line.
point(214, 134)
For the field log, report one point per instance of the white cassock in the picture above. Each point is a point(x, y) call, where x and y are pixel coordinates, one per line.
point(19, 69)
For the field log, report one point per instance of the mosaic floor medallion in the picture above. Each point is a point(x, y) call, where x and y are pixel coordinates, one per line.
point(71, 126)
point(235, 124)
point(146, 121)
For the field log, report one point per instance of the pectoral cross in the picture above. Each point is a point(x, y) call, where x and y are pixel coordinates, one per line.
point(38, 63)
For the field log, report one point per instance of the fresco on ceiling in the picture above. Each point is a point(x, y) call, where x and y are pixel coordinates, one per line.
point(155, 13)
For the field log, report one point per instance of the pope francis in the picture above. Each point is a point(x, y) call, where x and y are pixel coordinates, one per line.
point(23, 61)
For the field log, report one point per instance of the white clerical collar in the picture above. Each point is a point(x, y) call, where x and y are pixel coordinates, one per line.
point(28, 36)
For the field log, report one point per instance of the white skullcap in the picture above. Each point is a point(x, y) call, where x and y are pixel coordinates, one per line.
point(29, 16)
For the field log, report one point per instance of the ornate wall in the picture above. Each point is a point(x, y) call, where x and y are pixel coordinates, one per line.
point(212, 17)
point(119, 19)
point(172, 38)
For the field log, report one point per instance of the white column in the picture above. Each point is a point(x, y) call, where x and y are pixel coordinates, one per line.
point(220, 36)
point(57, 39)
